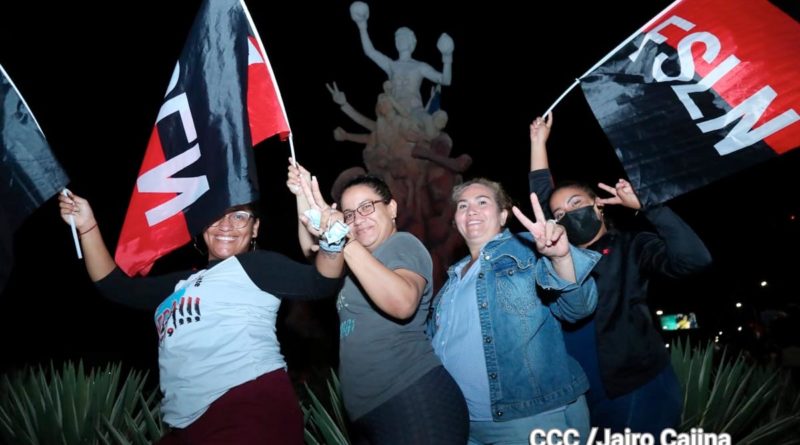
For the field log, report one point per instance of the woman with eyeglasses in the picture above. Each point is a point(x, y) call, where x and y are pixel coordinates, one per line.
point(395, 388)
point(222, 374)
point(632, 381)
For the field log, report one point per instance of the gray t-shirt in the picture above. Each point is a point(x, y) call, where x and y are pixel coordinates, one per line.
point(380, 356)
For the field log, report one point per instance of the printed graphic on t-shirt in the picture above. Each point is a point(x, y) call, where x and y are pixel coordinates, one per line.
point(341, 302)
point(177, 310)
point(345, 326)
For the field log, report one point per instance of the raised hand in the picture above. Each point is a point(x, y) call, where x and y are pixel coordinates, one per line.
point(79, 208)
point(359, 12)
point(445, 44)
point(293, 178)
point(339, 134)
point(622, 194)
point(338, 96)
point(540, 129)
point(316, 203)
point(551, 238)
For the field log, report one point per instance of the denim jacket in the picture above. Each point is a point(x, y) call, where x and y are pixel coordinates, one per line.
point(527, 365)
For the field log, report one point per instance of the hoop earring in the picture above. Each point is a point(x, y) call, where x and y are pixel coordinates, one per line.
point(198, 248)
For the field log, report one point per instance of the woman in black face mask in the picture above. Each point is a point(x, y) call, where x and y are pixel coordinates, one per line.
point(632, 384)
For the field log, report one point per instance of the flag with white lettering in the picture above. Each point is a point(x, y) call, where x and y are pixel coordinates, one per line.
point(29, 173)
point(708, 89)
point(221, 100)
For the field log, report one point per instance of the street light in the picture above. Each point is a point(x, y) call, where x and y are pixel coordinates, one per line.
point(738, 304)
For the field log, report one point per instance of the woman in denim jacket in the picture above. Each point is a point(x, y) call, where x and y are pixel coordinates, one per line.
point(497, 335)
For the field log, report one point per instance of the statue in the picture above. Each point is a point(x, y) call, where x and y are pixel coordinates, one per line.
point(405, 73)
point(405, 144)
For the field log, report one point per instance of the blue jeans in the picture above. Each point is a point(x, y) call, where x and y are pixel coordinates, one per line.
point(650, 408)
point(517, 432)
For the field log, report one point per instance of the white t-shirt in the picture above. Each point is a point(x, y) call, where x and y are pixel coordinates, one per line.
point(216, 331)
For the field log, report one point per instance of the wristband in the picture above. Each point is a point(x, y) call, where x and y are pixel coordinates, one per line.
point(88, 230)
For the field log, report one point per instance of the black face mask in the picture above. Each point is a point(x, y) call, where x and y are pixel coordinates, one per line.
point(581, 224)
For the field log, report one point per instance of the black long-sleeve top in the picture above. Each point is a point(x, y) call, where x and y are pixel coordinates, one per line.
point(630, 351)
point(270, 271)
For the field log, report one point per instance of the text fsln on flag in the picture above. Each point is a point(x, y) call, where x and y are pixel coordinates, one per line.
point(707, 90)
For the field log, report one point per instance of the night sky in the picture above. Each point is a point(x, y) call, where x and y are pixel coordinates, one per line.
point(95, 87)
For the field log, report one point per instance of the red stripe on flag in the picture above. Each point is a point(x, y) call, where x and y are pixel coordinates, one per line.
point(264, 108)
point(763, 38)
point(139, 244)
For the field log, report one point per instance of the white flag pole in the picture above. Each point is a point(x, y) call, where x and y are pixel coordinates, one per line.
point(291, 148)
point(66, 192)
point(614, 51)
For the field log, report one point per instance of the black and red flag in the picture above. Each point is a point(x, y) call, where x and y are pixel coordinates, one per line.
point(29, 172)
point(221, 100)
point(709, 88)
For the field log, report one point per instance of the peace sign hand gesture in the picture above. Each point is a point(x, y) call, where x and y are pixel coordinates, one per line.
point(328, 215)
point(623, 194)
point(551, 237)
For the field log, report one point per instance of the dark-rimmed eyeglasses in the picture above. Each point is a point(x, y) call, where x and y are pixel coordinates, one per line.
point(237, 220)
point(366, 208)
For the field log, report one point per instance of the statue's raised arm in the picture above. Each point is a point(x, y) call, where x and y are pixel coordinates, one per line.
point(359, 12)
point(405, 73)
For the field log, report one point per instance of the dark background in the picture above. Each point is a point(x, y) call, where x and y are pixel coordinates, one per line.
point(95, 77)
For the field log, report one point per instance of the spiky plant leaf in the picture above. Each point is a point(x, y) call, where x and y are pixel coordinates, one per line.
point(754, 404)
point(322, 427)
point(73, 405)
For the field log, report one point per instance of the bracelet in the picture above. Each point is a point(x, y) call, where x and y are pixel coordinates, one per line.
point(325, 246)
point(88, 230)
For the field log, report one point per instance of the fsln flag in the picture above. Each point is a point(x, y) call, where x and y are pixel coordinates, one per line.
point(710, 88)
point(29, 172)
point(221, 100)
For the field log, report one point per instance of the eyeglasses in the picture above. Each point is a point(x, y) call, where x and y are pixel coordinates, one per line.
point(364, 209)
point(237, 220)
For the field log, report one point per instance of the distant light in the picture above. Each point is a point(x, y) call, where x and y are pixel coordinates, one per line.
point(716, 339)
point(738, 304)
point(659, 312)
point(720, 332)
point(763, 284)
point(792, 217)
point(739, 329)
point(666, 345)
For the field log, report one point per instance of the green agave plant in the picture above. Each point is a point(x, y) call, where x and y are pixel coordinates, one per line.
point(69, 407)
point(325, 425)
point(754, 404)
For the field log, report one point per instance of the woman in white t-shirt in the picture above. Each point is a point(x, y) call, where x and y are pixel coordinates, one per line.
point(222, 374)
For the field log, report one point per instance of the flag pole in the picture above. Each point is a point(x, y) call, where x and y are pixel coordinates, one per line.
point(614, 51)
point(66, 193)
point(291, 149)
point(21, 98)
